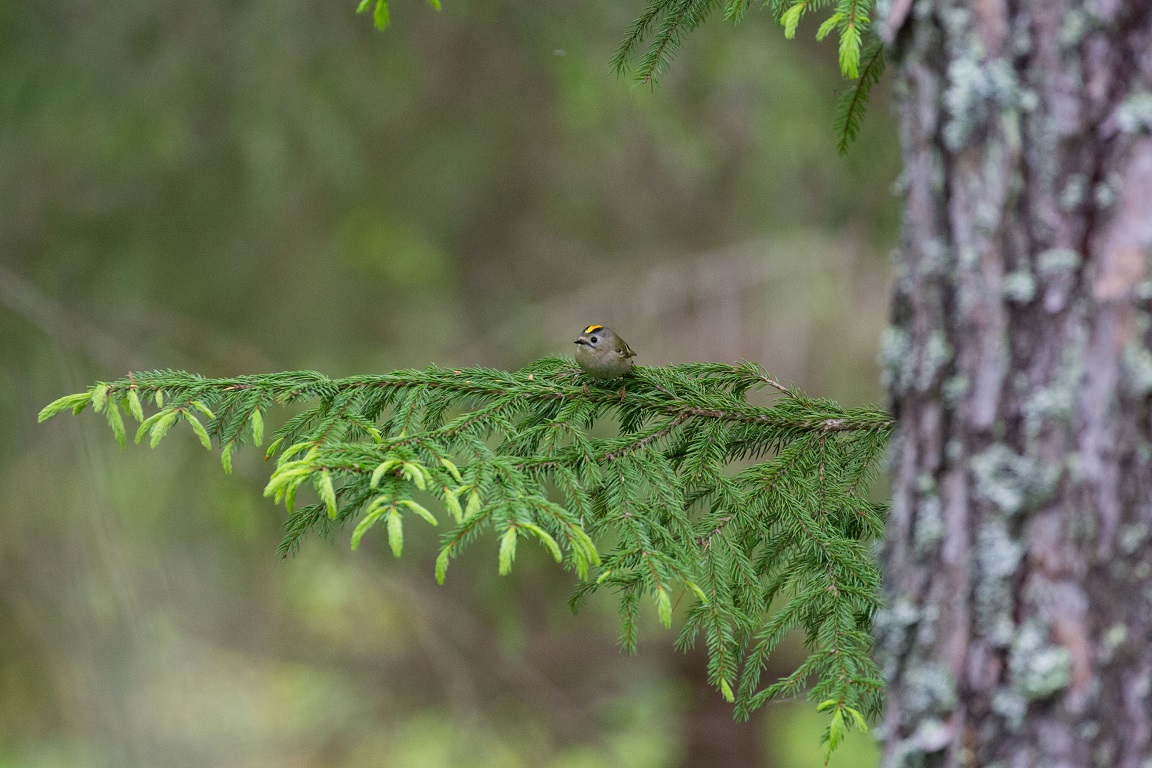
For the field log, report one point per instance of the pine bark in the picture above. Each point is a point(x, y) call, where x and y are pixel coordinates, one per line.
point(1018, 561)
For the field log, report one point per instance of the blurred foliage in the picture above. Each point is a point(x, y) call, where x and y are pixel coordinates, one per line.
point(236, 187)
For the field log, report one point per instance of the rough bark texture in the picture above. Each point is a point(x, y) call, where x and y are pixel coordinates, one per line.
point(1019, 587)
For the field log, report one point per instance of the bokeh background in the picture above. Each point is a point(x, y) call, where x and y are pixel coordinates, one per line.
point(241, 186)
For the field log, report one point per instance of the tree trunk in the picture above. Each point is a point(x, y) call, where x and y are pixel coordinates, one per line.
point(1018, 629)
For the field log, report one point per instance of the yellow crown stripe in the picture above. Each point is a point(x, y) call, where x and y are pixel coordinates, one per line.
point(591, 328)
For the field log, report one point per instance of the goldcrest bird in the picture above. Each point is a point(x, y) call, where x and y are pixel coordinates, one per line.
point(602, 354)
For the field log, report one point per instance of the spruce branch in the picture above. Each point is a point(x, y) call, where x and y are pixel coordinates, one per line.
point(757, 513)
point(853, 102)
point(672, 19)
point(657, 33)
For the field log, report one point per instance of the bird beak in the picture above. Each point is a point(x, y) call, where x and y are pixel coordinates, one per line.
point(579, 341)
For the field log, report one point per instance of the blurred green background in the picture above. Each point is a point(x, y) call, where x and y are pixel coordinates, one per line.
point(243, 186)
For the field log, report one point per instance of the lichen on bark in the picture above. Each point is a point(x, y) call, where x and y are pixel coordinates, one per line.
point(1019, 626)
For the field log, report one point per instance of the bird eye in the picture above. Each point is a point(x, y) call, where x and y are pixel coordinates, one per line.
point(594, 339)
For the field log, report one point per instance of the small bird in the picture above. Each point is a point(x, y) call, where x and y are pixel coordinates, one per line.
point(602, 354)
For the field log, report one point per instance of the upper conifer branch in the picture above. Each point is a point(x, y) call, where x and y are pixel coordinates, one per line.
point(696, 489)
point(656, 34)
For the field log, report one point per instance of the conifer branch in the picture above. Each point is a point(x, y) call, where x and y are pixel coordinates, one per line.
point(860, 52)
point(853, 103)
point(698, 491)
point(673, 19)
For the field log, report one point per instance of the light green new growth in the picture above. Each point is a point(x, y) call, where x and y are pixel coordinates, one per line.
point(756, 515)
point(380, 14)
